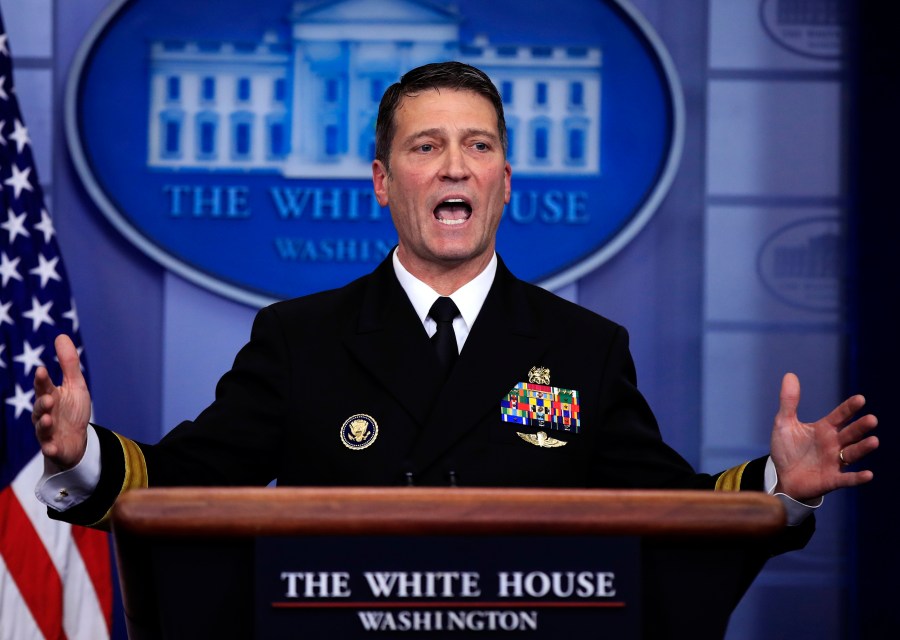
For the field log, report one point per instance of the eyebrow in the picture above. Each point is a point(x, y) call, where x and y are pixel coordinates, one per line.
point(441, 132)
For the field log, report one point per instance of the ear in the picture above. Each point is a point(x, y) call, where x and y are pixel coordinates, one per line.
point(508, 179)
point(379, 180)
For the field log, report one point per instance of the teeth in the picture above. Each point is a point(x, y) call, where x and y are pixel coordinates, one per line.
point(453, 203)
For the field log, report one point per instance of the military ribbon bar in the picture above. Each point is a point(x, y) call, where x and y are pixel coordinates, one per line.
point(541, 406)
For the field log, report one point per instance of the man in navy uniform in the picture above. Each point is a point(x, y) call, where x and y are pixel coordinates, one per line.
point(392, 409)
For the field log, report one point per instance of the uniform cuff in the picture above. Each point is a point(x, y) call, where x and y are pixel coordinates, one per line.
point(62, 490)
point(796, 511)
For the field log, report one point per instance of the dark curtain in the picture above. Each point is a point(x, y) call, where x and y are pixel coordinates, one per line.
point(873, 296)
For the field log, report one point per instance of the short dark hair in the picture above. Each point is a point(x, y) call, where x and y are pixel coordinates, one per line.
point(437, 75)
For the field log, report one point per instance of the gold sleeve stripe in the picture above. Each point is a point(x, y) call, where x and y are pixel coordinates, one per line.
point(731, 480)
point(135, 474)
point(135, 465)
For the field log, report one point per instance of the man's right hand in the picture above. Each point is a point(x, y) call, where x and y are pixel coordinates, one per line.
point(61, 414)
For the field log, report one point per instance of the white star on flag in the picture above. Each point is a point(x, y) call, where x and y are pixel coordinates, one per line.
point(39, 314)
point(71, 315)
point(45, 226)
point(19, 180)
point(15, 225)
point(21, 401)
point(31, 357)
point(20, 135)
point(46, 270)
point(9, 268)
point(4, 313)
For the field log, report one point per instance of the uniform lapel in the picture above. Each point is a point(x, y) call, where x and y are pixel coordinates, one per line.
point(390, 342)
point(504, 343)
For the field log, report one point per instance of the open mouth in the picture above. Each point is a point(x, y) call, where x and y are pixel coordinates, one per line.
point(452, 211)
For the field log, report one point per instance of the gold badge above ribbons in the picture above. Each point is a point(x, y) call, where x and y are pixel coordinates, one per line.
point(539, 375)
point(359, 431)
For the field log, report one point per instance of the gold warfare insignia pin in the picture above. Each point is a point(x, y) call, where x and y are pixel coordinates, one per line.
point(359, 431)
point(539, 375)
point(541, 439)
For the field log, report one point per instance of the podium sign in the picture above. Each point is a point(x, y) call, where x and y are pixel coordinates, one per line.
point(306, 562)
point(447, 586)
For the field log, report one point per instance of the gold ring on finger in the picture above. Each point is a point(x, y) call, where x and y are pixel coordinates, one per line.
point(844, 463)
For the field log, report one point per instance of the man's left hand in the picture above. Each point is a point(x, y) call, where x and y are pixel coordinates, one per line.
point(811, 459)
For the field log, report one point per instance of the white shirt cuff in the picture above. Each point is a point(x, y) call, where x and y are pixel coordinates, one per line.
point(62, 490)
point(796, 511)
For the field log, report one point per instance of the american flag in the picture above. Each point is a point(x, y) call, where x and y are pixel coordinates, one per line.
point(55, 579)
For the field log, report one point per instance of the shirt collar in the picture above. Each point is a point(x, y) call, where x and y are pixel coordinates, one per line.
point(469, 298)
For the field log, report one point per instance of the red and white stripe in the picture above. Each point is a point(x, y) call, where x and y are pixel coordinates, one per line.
point(55, 579)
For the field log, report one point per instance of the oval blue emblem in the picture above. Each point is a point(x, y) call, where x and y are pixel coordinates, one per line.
point(811, 29)
point(802, 264)
point(234, 145)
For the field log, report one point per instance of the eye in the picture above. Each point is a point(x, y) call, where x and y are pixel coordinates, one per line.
point(481, 146)
point(426, 148)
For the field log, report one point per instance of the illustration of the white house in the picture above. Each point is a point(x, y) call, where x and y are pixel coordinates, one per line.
point(306, 107)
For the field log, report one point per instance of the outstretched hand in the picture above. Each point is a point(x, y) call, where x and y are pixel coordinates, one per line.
point(61, 413)
point(811, 459)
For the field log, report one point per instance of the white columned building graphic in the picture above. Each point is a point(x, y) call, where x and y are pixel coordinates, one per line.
point(304, 104)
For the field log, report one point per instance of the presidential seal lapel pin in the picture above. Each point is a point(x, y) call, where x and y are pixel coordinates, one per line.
point(536, 404)
point(359, 431)
point(541, 439)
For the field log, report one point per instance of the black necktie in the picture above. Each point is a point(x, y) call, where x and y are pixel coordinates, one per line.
point(444, 340)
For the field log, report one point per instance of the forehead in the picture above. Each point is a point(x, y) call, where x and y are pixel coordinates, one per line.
point(445, 109)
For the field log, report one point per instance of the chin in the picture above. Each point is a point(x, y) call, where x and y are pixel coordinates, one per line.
point(455, 258)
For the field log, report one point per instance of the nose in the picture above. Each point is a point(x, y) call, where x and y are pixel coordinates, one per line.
point(455, 165)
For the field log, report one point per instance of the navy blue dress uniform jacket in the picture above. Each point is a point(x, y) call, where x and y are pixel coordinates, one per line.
point(313, 362)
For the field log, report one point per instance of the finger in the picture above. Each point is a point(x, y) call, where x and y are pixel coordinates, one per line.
point(40, 414)
point(43, 430)
point(853, 453)
point(853, 478)
point(845, 411)
point(789, 397)
point(44, 427)
point(42, 406)
point(49, 449)
point(42, 382)
point(857, 430)
point(67, 355)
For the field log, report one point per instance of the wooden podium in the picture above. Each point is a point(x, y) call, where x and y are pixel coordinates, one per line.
point(186, 555)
